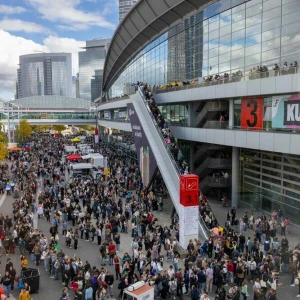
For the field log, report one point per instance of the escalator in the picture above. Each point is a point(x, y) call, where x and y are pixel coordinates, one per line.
point(166, 163)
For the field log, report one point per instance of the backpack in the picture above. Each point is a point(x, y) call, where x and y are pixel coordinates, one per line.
point(160, 285)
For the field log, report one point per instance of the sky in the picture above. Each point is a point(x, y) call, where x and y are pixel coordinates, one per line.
point(32, 26)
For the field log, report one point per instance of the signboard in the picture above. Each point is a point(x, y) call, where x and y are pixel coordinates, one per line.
point(96, 136)
point(189, 190)
point(252, 113)
point(145, 155)
point(191, 218)
point(286, 111)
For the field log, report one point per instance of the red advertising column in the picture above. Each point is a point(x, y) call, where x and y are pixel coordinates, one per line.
point(96, 136)
point(189, 201)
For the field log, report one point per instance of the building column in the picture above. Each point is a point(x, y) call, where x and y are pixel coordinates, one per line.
point(235, 177)
point(191, 114)
point(231, 114)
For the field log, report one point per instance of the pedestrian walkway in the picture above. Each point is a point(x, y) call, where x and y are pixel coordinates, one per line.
point(221, 215)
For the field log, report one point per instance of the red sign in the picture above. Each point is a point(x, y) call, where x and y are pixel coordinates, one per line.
point(189, 190)
point(252, 113)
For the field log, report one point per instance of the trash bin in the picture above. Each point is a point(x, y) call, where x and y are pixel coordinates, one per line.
point(32, 277)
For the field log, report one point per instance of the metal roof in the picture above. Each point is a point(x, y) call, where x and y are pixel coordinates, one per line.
point(146, 20)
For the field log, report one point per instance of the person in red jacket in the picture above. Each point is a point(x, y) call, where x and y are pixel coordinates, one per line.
point(230, 272)
point(112, 252)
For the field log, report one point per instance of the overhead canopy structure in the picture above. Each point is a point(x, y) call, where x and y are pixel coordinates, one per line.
point(14, 149)
point(145, 21)
point(74, 157)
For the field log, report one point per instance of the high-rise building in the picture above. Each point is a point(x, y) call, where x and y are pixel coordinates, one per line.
point(44, 74)
point(124, 7)
point(91, 64)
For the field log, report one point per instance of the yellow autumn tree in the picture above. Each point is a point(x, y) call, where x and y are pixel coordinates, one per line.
point(59, 128)
point(3, 143)
point(40, 128)
point(24, 130)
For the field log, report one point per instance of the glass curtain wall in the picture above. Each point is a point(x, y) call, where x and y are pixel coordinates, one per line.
point(273, 178)
point(227, 36)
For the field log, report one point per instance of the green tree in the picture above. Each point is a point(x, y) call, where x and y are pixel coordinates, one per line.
point(24, 130)
point(59, 128)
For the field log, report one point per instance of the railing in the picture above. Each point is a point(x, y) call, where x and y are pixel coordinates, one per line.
point(232, 79)
point(99, 103)
point(216, 125)
point(210, 106)
point(159, 132)
point(115, 120)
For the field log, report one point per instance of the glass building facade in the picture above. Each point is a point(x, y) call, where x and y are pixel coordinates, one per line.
point(91, 64)
point(227, 36)
point(44, 74)
point(273, 178)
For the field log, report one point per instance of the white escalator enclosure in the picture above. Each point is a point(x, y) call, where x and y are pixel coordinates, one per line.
point(166, 164)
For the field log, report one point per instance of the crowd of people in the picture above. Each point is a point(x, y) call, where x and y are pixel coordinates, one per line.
point(99, 211)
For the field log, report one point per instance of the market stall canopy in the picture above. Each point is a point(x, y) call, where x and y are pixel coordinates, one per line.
point(74, 157)
point(14, 149)
point(76, 140)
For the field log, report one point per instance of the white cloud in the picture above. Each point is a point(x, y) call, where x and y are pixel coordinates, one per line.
point(13, 46)
point(66, 12)
point(15, 25)
point(8, 10)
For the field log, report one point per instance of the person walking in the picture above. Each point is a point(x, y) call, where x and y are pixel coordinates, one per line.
point(244, 290)
point(6, 282)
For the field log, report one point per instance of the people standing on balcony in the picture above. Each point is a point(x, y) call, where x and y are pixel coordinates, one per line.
point(276, 69)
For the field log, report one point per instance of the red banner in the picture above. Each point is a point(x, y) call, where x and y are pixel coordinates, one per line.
point(189, 190)
point(252, 113)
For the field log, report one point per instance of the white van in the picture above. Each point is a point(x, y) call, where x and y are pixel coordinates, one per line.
point(85, 169)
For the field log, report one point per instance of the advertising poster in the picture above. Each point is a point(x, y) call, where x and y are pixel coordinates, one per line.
point(145, 155)
point(252, 113)
point(286, 111)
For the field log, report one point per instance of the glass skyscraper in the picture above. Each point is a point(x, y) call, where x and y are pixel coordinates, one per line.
point(91, 64)
point(45, 74)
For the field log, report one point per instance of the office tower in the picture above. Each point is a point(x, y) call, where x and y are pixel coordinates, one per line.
point(91, 64)
point(124, 7)
point(44, 74)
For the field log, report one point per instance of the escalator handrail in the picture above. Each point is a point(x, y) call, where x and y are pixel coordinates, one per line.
point(159, 132)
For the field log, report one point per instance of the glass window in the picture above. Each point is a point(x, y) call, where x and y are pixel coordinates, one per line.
point(238, 25)
point(271, 34)
point(253, 40)
point(225, 18)
point(225, 30)
point(238, 7)
point(237, 54)
point(213, 52)
point(275, 23)
point(291, 18)
point(291, 7)
point(236, 17)
point(214, 69)
point(214, 61)
point(269, 4)
point(253, 30)
point(237, 63)
point(224, 48)
point(290, 29)
point(251, 21)
point(271, 57)
point(224, 58)
point(214, 35)
point(253, 59)
point(290, 39)
point(238, 44)
point(290, 49)
point(214, 26)
point(205, 55)
point(225, 67)
point(288, 1)
point(271, 44)
point(225, 39)
point(272, 14)
point(238, 35)
point(254, 10)
point(252, 2)
point(214, 44)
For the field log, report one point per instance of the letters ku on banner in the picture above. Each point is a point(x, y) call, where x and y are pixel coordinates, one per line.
point(252, 113)
point(189, 190)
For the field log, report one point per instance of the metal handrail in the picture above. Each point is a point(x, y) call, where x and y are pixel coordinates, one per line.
point(232, 79)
